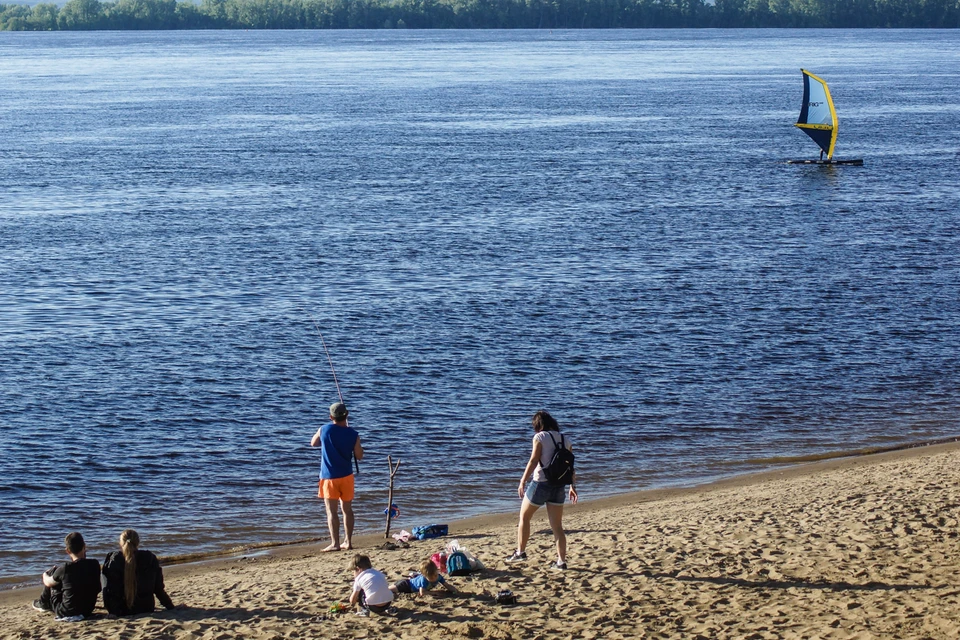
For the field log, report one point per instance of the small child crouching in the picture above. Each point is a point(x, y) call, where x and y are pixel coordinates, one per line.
point(371, 591)
point(427, 579)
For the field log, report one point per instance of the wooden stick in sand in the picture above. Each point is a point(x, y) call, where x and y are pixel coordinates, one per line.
point(393, 471)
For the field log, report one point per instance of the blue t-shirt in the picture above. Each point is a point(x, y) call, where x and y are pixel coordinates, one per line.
point(420, 581)
point(336, 456)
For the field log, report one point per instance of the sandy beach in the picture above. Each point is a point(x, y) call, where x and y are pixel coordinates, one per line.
point(862, 547)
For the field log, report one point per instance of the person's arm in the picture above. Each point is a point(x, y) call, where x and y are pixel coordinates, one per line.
point(158, 587)
point(358, 450)
point(113, 599)
point(573, 482)
point(355, 596)
point(315, 440)
point(53, 578)
point(531, 465)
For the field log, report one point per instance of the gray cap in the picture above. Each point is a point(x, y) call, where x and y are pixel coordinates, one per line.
point(338, 411)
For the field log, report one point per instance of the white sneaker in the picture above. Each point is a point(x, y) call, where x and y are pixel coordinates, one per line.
point(518, 556)
point(69, 619)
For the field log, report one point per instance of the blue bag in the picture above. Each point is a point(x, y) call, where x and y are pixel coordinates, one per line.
point(429, 531)
point(458, 564)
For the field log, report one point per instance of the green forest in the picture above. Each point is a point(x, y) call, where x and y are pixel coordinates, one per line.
point(78, 15)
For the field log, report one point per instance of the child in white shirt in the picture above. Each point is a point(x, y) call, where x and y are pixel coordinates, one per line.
point(371, 591)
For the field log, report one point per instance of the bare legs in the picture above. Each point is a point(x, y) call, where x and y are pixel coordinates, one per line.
point(555, 515)
point(527, 509)
point(333, 523)
point(347, 507)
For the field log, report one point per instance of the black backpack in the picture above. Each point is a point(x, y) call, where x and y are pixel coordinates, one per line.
point(560, 470)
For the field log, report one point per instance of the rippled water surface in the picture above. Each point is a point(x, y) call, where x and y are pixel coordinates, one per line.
point(482, 224)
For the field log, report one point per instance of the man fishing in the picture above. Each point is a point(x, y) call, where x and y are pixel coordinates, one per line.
point(339, 444)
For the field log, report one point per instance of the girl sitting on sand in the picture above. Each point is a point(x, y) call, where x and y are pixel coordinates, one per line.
point(131, 578)
point(427, 579)
point(546, 439)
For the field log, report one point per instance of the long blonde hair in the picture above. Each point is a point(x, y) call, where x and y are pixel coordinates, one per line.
point(129, 543)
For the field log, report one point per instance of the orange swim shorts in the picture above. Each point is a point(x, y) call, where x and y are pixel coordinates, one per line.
point(336, 489)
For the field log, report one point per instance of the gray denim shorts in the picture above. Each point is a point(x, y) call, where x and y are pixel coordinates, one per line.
point(540, 493)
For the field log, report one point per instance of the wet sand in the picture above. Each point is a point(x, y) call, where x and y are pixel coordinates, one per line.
point(861, 547)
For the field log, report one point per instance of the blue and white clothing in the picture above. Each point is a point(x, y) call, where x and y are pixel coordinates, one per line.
point(417, 582)
point(420, 581)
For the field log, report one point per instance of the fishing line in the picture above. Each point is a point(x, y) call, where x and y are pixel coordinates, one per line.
point(329, 359)
point(334, 372)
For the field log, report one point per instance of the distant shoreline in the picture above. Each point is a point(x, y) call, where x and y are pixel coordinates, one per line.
point(165, 15)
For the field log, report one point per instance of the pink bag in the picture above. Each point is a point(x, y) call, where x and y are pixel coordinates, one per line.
point(440, 559)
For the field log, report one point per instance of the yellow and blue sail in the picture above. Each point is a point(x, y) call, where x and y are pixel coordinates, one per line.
point(818, 118)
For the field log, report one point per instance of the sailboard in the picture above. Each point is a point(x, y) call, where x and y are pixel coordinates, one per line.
point(818, 119)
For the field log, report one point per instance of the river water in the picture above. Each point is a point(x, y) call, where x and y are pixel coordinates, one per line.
point(483, 224)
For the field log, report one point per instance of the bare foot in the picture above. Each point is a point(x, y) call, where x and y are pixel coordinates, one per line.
point(349, 547)
point(333, 547)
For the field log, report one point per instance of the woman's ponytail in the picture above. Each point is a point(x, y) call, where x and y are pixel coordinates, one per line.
point(129, 542)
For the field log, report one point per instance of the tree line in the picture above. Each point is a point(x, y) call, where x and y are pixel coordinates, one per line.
point(78, 15)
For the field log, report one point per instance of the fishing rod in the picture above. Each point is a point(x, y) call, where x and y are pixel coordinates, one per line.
point(330, 360)
point(334, 372)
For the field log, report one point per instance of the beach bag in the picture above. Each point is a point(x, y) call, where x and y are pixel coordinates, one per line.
point(454, 546)
point(440, 559)
point(429, 531)
point(559, 472)
point(458, 564)
point(475, 564)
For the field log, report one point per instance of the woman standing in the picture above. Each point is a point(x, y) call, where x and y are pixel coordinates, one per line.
point(547, 438)
point(131, 579)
